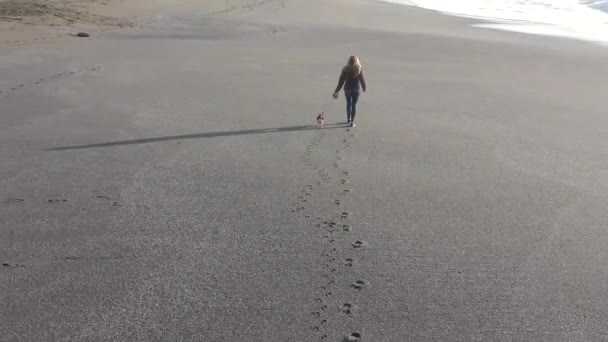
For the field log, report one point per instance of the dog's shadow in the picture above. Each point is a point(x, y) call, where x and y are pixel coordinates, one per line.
point(197, 136)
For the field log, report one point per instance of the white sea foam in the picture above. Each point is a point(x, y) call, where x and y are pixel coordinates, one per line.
point(580, 19)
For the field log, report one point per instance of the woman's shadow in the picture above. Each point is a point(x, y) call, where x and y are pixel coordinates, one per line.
point(196, 136)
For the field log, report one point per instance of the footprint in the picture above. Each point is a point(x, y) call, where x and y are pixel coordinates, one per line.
point(359, 284)
point(337, 202)
point(13, 200)
point(346, 308)
point(358, 244)
point(345, 173)
point(345, 192)
point(343, 181)
point(346, 228)
point(6, 264)
point(354, 337)
point(103, 198)
point(348, 262)
point(344, 215)
point(57, 200)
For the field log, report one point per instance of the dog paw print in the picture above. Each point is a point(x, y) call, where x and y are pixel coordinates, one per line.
point(52, 77)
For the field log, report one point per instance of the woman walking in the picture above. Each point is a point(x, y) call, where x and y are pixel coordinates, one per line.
point(352, 79)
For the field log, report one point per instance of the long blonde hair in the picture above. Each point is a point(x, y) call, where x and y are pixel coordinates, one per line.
point(354, 65)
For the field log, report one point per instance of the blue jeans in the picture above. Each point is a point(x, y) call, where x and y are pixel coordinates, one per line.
point(351, 105)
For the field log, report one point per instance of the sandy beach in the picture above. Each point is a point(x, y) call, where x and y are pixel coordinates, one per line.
point(164, 180)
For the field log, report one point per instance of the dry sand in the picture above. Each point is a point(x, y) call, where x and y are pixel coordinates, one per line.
point(32, 21)
point(165, 182)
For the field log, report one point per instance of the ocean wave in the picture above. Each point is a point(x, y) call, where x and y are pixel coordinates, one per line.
point(601, 5)
point(581, 19)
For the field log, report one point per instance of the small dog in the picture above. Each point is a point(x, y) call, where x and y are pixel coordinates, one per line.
point(320, 120)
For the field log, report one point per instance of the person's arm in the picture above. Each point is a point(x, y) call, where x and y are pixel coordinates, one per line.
point(340, 82)
point(362, 80)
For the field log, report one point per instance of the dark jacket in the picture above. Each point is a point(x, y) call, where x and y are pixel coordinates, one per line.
point(350, 82)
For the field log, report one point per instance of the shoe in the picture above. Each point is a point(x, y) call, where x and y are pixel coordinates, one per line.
point(352, 124)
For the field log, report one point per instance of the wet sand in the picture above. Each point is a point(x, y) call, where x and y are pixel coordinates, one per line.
point(167, 182)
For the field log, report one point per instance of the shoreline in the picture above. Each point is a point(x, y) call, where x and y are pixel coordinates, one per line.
point(524, 26)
